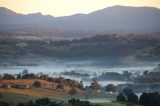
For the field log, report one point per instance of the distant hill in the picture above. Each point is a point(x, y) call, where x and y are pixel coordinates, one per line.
point(107, 48)
point(115, 19)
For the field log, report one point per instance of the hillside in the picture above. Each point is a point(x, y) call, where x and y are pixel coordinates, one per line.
point(48, 88)
point(101, 47)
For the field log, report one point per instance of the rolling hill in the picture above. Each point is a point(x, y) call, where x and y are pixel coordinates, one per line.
point(115, 19)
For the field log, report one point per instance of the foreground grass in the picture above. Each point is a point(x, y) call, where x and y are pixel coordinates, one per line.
point(113, 104)
point(14, 98)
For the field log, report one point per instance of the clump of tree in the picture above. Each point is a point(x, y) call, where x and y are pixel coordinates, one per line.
point(125, 76)
point(8, 77)
point(150, 99)
point(47, 102)
point(95, 85)
point(132, 98)
point(146, 99)
point(30, 76)
point(148, 77)
point(19, 76)
point(44, 77)
point(74, 73)
point(127, 96)
point(37, 84)
point(41, 102)
point(110, 88)
point(24, 72)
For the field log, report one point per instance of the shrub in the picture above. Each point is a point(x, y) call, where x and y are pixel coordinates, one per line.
point(37, 84)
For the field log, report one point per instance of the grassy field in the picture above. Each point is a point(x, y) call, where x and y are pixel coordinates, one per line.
point(13, 99)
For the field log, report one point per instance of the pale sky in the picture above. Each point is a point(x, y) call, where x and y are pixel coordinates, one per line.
point(69, 7)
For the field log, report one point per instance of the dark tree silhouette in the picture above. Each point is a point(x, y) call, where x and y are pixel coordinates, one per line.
point(121, 97)
point(150, 99)
point(132, 98)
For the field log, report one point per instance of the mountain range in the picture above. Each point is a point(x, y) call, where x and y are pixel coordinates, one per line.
point(115, 19)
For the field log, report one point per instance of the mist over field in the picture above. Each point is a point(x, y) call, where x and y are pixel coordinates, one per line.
point(112, 54)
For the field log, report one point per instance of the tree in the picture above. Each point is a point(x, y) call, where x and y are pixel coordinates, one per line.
point(144, 99)
point(150, 99)
point(95, 85)
point(39, 102)
point(80, 85)
point(145, 72)
point(73, 91)
point(37, 84)
point(19, 76)
point(110, 88)
point(25, 72)
point(8, 77)
point(29, 76)
point(44, 77)
point(121, 97)
point(133, 98)
point(127, 91)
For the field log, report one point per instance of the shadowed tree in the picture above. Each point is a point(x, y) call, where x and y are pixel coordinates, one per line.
point(121, 97)
point(133, 98)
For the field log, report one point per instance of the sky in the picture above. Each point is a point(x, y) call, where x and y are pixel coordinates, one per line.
point(69, 7)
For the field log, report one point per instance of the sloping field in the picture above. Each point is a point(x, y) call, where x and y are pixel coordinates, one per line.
point(47, 89)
